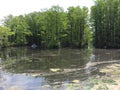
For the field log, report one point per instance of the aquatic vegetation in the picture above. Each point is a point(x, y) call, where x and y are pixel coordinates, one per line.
point(63, 70)
point(109, 82)
point(113, 69)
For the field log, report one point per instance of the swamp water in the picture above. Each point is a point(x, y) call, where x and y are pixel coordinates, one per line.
point(23, 68)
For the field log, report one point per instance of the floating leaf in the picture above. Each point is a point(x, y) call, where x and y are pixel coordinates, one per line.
point(55, 69)
point(76, 81)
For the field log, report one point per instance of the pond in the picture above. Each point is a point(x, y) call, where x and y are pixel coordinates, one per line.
point(24, 68)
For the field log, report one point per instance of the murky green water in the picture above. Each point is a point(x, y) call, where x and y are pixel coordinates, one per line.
point(23, 68)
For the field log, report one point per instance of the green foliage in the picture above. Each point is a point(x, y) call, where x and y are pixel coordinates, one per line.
point(80, 34)
point(5, 32)
point(55, 28)
point(20, 28)
point(51, 28)
point(105, 16)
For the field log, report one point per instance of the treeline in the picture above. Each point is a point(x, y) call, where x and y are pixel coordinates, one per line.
point(54, 27)
point(105, 15)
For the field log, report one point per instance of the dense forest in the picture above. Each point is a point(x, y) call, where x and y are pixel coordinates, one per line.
point(55, 28)
point(105, 15)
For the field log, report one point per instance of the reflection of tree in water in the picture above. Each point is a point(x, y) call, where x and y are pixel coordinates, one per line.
point(88, 66)
point(44, 60)
point(13, 53)
point(69, 61)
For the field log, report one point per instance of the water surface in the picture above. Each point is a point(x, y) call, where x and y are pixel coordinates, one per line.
point(23, 68)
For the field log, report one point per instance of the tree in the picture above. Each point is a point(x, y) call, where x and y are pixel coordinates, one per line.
point(56, 24)
point(5, 32)
point(20, 28)
point(51, 28)
point(105, 16)
point(78, 26)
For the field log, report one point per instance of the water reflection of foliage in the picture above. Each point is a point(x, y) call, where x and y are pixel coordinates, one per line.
point(21, 60)
point(13, 53)
point(25, 60)
point(42, 61)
